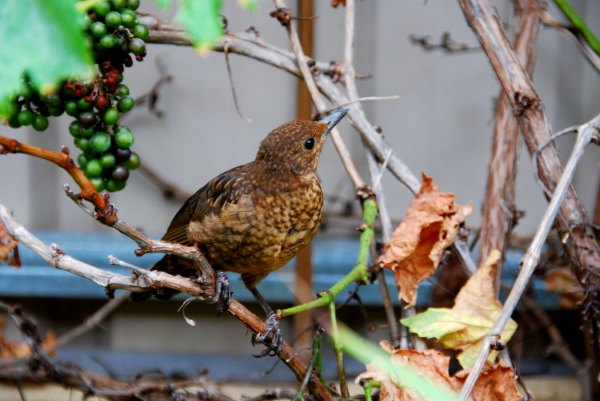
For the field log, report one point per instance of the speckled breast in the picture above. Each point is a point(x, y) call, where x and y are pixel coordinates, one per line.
point(261, 232)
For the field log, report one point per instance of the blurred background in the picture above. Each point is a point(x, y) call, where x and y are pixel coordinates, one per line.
point(441, 124)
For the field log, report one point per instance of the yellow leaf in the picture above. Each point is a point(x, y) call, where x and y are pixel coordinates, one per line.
point(465, 326)
point(429, 227)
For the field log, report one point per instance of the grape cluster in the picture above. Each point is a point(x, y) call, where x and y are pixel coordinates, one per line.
point(114, 35)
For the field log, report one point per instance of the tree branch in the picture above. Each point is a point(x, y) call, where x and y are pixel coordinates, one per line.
point(155, 280)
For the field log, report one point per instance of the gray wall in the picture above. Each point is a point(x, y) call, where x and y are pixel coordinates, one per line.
point(441, 125)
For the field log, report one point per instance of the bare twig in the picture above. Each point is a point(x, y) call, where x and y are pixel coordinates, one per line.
point(90, 322)
point(169, 190)
point(235, 99)
point(62, 160)
point(319, 102)
point(585, 136)
point(497, 218)
point(573, 219)
point(154, 280)
point(447, 44)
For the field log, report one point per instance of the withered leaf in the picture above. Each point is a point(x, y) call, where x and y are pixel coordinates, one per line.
point(563, 280)
point(496, 383)
point(8, 245)
point(465, 326)
point(17, 350)
point(429, 227)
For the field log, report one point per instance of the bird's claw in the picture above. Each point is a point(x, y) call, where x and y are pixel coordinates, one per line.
point(222, 292)
point(276, 343)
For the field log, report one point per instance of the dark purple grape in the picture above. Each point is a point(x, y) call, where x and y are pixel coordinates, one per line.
point(120, 173)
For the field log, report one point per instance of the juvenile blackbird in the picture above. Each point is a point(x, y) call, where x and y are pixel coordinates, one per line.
point(253, 219)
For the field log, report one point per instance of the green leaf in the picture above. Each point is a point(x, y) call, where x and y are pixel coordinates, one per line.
point(163, 4)
point(251, 5)
point(44, 39)
point(202, 21)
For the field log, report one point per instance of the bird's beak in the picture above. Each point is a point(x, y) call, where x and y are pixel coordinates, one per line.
point(332, 120)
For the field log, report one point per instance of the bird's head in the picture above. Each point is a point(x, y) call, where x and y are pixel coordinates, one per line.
point(296, 146)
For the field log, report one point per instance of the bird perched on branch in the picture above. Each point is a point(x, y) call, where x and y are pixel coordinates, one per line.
point(253, 219)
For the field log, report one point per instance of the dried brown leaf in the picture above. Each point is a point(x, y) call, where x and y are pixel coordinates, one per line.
point(496, 383)
point(563, 280)
point(429, 227)
point(7, 245)
point(18, 350)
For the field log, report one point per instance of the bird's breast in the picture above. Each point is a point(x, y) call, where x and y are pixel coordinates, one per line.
point(260, 232)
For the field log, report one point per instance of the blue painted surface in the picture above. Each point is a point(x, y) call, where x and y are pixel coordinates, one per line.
point(332, 258)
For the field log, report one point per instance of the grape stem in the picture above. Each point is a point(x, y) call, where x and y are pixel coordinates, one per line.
point(64, 161)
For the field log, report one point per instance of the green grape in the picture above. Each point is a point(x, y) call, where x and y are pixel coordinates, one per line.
point(100, 142)
point(133, 162)
point(123, 137)
point(98, 29)
point(40, 122)
point(93, 168)
point(133, 4)
point(88, 132)
point(14, 122)
point(120, 79)
point(108, 160)
point(118, 4)
point(83, 105)
point(98, 183)
point(53, 100)
point(25, 117)
point(86, 21)
point(127, 18)
point(83, 144)
point(75, 128)
point(137, 46)
point(101, 8)
point(107, 41)
point(112, 19)
point(125, 104)
point(114, 186)
point(140, 31)
point(82, 160)
point(122, 90)
point(111, 116)
point(71, 108)
point(56, 111)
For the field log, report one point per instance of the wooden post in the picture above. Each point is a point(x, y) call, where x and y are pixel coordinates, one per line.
point(303, 291)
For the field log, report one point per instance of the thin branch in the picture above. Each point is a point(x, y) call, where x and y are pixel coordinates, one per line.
point(62, 160)
point(90, 322)
point(497, 218)
point(155, 280)
point(585, 49)
point(230, 75)
point(573, 220)
point(531, 258)
point(169, 190)
point(318, 101)
point(248, 44)
point(579, 24)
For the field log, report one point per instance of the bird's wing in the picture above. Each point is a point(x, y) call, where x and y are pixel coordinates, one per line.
point(225, 188)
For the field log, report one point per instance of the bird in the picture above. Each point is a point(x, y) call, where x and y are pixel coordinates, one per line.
point(254, 218)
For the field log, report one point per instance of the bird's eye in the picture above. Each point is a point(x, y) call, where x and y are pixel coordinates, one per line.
point(309, 144)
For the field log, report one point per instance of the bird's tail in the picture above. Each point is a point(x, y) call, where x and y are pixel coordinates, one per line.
point(171, 264)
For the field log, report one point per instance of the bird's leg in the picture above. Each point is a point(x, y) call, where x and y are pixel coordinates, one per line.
point(272, 327)
point(222, 292)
